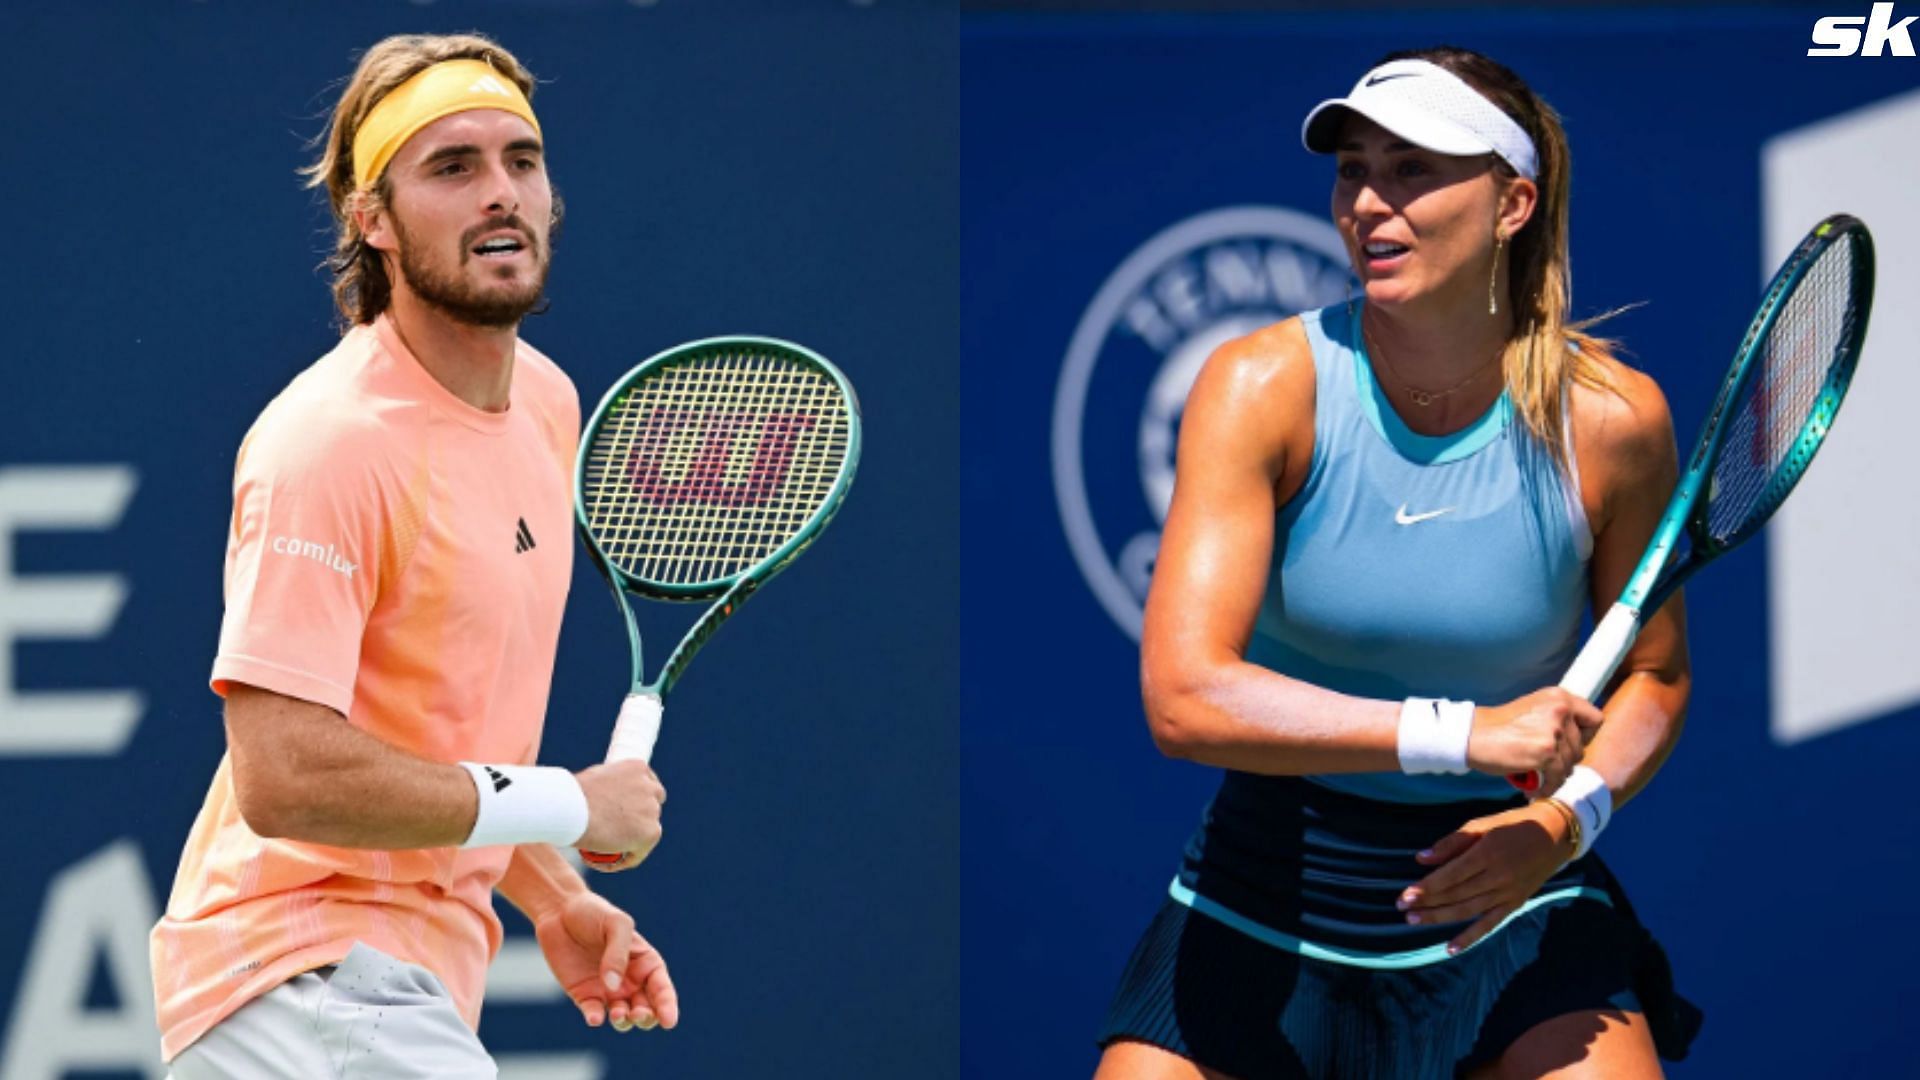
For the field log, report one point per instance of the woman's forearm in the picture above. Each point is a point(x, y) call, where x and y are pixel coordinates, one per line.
point(1242, 716)
point(1643, 722)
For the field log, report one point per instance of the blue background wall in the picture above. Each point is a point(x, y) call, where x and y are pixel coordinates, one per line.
point(1775, 874)
point(786, 169)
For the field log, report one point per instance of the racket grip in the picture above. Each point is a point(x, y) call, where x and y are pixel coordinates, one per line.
point(1599, 658)
point(1601, 655)
point(634, 734)
point(637, 728)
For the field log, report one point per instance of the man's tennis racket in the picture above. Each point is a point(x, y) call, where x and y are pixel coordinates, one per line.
point(703, 473)
point(1774, 409)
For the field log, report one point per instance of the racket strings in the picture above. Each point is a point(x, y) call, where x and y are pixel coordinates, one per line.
point(1784, 408)
point(708, 466)
point(694, 504)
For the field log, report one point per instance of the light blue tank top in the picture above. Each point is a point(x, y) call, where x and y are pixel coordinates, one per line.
point(1440, 566)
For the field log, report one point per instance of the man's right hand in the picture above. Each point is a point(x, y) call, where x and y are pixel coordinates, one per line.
point(623, 812)
point(1544, 732)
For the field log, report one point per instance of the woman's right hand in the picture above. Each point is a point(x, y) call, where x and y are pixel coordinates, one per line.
point(1544, 732)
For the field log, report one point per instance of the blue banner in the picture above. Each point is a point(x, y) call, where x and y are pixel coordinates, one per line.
point(1134, 193)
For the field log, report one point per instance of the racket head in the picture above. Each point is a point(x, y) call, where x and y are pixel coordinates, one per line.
point(714, 463)
point(1780, 396)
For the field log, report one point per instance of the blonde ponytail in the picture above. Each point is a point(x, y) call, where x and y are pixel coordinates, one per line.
point(1547, 352)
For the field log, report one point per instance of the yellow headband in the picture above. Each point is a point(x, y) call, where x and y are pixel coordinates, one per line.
point(444, 89)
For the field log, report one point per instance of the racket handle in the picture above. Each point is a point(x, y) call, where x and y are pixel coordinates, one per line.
point(639, 725)
point(634, 734)
point(1599, 658)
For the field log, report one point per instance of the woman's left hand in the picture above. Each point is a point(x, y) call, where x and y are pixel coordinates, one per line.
point(1487, 869)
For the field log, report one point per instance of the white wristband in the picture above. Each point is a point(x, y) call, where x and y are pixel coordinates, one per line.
point(1586, 792)
point(526, 804)
point(1434, 735)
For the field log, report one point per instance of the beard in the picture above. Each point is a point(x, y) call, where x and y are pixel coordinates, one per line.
point(495, 308)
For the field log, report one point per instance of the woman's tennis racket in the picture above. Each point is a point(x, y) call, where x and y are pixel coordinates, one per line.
point(702, 474)
point(1774, 410)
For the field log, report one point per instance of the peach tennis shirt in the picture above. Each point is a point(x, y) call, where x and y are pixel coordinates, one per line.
point(403, 559)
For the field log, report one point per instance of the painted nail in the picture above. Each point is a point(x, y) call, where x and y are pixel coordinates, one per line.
point(1453, 950)
point(1414, 918)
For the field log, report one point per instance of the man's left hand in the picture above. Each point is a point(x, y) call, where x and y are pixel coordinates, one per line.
point(605, 966)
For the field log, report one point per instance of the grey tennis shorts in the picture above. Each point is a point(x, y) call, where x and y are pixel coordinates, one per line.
point(370, 1017)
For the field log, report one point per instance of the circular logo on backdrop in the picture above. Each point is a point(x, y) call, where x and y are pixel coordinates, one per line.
point(1134, 356)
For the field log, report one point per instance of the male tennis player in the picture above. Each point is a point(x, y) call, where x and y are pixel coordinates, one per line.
point(395, 577)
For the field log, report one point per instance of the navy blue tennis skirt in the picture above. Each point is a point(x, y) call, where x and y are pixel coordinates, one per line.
point(1224, 992)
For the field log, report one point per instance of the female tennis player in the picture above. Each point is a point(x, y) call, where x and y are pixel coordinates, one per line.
point(1389, 517)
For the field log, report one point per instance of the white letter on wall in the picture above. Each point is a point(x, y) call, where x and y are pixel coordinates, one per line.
point(102, 906)
point(49, 723)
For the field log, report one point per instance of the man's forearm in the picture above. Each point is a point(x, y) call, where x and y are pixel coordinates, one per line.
point(539, 879)
point(304, 773)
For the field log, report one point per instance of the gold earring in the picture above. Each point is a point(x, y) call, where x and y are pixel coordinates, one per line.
point(1493, 275)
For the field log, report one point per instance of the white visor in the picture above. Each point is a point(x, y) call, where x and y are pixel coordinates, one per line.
point(1428, 106)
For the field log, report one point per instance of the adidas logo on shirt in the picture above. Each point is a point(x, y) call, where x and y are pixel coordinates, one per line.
point(522, 538)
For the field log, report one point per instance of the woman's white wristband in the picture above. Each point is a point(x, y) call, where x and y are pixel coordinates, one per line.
point(1434, 735)
point(526, 804)
point(1586, 793)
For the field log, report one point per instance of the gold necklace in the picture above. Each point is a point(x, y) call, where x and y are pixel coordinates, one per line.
point(1419, 396)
